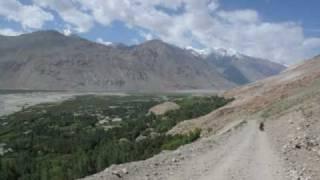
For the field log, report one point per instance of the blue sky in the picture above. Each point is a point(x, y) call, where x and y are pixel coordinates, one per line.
point(305, 12)
point(285, 31)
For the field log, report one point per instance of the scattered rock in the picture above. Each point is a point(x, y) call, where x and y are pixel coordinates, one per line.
point(174, 160)
point(120, 173)
point(116, 173)
point(124, 171)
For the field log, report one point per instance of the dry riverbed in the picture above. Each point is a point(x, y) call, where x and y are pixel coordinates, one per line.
point(13, 102)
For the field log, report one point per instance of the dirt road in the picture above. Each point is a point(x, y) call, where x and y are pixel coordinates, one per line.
point(249, 157)
point(246, 154)
point(243, 154)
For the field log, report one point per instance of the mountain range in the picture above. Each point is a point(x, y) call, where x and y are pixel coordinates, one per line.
point(49, 60)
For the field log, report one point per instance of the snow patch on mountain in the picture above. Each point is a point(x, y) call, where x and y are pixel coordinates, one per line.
point(227, 52)
point(198, 52)
point(217, 51)
point(106, 43)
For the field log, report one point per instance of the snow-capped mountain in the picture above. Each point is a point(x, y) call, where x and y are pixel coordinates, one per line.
point(237, 67)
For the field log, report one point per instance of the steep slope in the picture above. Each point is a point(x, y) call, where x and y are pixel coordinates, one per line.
point(256, 97)
point(289, 106)
point(48, 60)
point(243, 69)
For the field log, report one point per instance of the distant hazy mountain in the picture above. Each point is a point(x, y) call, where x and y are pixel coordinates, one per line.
point(242, 69)
point(48, 60)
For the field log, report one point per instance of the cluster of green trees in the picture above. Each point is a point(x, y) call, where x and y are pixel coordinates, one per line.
point(190, 107)
point(50, 142)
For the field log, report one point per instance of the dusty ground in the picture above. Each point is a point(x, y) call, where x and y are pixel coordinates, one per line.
point(296, 134)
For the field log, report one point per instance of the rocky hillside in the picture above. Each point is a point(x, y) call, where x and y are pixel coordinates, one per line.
point(288, 104)
point(48, 60)
point(295, 85)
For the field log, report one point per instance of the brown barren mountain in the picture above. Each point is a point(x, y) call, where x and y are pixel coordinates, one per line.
point(48, 60)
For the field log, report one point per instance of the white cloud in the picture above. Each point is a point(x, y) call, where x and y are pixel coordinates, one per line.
point(147, 36)
point(69, 12)
point(201, 22)
point(30, 16)
point(101, 41)
point(204, 22)
point(213, 5)
point(9, 32)
point(239, 16)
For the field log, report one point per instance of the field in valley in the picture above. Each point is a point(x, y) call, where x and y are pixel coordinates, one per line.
point(84, 134)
